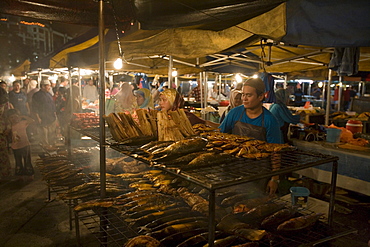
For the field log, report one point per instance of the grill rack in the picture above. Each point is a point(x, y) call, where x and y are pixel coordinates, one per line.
point(237, 174)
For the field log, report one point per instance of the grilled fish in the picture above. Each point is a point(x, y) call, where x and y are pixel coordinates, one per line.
point(179, 221)
point(209, 159)
point(278, 217)
point(182, 147)
point(169, 230)
point(200, 239)
point(169, 215)
point(231, 200)
point(142, 240)
point(251, 234)
point(224, 241)
point(299, 223)
point(105, 203)
point(184, 159)
point(179, 237)
point(260, 212)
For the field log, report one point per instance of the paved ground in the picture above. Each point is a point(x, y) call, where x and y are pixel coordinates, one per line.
point(28, 219)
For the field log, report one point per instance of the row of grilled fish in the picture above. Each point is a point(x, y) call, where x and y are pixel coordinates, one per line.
point(59, 171)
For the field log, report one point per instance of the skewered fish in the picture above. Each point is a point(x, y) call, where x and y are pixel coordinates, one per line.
point(209, 159)
point(105, 203)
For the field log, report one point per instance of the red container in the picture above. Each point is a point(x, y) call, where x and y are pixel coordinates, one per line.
point(354, 126)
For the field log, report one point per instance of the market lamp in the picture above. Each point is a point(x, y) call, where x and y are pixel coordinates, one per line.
point(118, 63)
point(238, 78)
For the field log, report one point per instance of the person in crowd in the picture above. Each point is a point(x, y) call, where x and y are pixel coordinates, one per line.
point(316, 92)
point(90, 92)
point(346, 99)
point(171, 100)
point(44, 108)
point(235, 100)
point(155, 92)
point(60, 102)
point(4, 85)
point(282, 113)
point(253, 120)
point(125, 99)
point(115, 89)
point(144, 98)
point(25, 87)
point(19, 143)
point(298, 97)
point(53, 87)
point(214, 94)
point(5, 128)
point(336, 98)
point(18, 99)
point(76, 105)
point(352, 95)
point(63, 82)
point(196, 93)
point(32, 89)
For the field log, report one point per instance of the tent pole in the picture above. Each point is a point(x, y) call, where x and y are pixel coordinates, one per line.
point(285, 81)
point(323, 95)
point(327, 112)
point(39, 77)
point(170, 66)
point(340, 93)
point(102, 100)
point(80, 86)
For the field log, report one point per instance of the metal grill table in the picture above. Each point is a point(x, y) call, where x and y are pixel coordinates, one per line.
point(246, 170)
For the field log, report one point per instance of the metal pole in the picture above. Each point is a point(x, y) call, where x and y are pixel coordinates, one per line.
point(80, 85)
point(102, 100)
point(323, 94)
point(39, 78)
point(340, 93)
point(285, 81)
point(69, 133)
point(170, 66)
point(327, 112)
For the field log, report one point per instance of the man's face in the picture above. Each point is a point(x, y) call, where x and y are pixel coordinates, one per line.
point(16, 87)
point(3, 85)
point(91, 82)
point(250, 98)
point(45, 87)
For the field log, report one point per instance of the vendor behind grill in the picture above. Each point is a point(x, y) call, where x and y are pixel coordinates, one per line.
point(170, 99)
point(252, 119)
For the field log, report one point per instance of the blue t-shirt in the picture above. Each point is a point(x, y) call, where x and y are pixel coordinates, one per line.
point(19, 100)
point(273, 132)
point(282, 114)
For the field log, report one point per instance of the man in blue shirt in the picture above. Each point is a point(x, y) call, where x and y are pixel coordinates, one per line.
point(251, 118)
point(19, 99)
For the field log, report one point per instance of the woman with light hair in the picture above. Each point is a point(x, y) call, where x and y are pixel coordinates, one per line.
point(125, 99)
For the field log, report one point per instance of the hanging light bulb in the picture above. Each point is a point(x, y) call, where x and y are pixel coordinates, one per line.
point(238, 78)
point(118, 63)
point(174, 73)
point(255, 76)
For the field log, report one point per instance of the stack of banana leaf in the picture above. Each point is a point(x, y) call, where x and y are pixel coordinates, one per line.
point(149, 125)
point(173, 125)
point(57, 170)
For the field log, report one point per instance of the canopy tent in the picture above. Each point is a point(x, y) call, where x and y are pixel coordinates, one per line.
point(218, 31)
